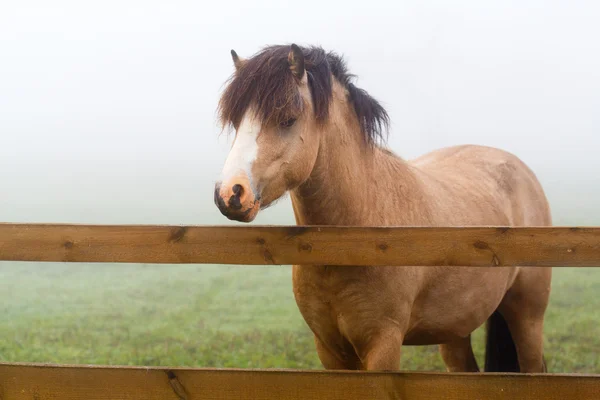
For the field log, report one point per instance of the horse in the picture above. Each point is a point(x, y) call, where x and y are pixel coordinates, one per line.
point(303, 128)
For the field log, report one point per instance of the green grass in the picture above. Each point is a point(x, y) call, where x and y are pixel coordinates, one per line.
point(221, 316)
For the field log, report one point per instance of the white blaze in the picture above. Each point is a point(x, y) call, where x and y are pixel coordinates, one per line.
point(244, 150)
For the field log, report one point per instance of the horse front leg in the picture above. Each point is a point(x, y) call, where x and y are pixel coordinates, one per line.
point(331, 359)
point(383, 351)
point(458, 355)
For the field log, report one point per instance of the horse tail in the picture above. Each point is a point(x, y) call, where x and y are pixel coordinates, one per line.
point(500, 350)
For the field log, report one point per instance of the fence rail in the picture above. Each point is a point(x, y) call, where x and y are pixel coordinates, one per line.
point(260, 245)
point(256, 245)
point(23, 381)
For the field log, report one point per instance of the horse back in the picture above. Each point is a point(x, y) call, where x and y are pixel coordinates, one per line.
point(482, 186)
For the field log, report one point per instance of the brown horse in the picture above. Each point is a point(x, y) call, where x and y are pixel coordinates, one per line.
point(303, 127)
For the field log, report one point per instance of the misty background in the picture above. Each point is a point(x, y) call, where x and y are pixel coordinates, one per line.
point(108, 116)
point(108, 109)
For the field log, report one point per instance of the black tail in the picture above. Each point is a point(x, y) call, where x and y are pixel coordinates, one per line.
point(500, 350)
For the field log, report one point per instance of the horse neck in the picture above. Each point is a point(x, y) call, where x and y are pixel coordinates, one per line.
point(348, 177)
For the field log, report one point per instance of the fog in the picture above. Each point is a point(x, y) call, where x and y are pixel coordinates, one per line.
point(108, 109)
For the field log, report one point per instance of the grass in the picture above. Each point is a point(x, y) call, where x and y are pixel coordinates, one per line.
point(221, 316)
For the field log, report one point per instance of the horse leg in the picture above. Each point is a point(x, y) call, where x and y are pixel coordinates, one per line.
point(383, 352)
point(527, 335)
point(458, 355)
point(523, 308)
point(330, 360)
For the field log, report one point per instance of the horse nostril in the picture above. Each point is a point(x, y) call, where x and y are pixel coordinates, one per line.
point(235, 201)
point(237, 189)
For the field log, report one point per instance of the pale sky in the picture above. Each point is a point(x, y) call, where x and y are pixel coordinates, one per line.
point(108, 109)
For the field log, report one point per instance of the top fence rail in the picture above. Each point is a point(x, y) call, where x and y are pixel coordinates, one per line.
point(283, 245)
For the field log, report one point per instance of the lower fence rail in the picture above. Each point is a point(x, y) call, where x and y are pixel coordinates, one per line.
point(68, 382)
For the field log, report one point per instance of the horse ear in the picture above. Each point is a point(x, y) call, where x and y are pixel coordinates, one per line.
point(296, 61)
point(237, 61)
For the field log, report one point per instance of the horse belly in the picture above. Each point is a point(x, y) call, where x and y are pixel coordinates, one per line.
point(456, 303)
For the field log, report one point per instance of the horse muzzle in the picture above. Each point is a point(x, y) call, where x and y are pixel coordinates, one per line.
point(236, 200)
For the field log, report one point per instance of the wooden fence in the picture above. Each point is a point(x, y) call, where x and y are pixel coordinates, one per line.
point(283, 245)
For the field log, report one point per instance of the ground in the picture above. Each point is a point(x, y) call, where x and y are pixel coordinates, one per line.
point(221, 316)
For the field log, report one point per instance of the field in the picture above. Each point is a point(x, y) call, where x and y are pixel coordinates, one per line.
point(220, 316)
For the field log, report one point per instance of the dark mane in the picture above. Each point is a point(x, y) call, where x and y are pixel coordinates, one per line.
point(265, 82)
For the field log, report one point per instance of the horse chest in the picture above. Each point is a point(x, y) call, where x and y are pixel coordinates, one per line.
point(319, 294)
point(340, 305)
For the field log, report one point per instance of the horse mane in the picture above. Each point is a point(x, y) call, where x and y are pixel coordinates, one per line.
point(266, 83)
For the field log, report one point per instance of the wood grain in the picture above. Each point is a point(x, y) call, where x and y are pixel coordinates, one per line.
point(46, 382)
point(255, 245)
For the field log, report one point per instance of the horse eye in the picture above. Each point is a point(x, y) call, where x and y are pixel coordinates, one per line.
point(288, 123)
